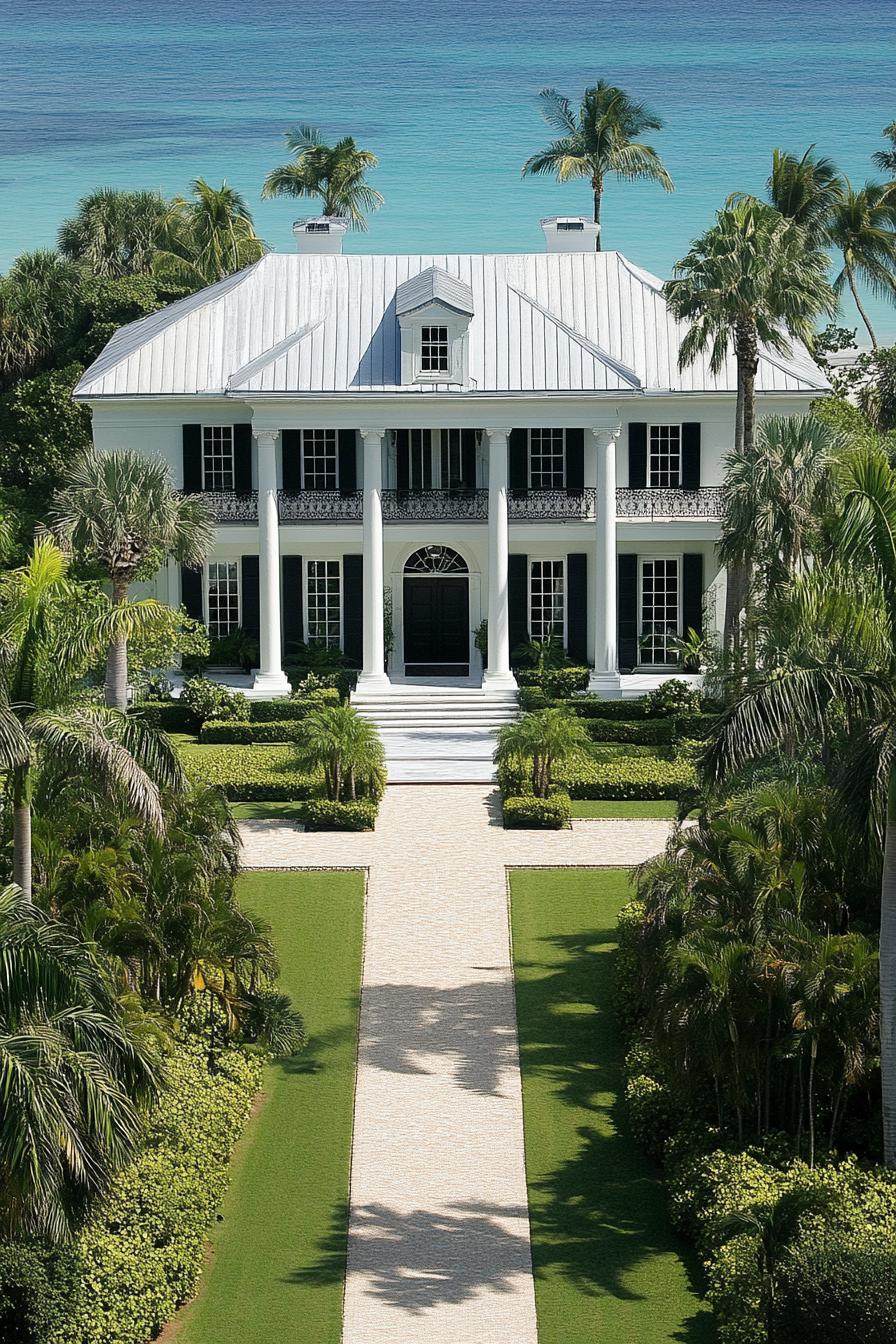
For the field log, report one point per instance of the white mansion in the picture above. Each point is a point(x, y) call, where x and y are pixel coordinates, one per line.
point(397, 448)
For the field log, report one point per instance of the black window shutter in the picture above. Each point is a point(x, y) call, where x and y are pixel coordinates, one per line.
point(692, 592)
point(403, 458)
point(468, 458)
point(291, 440)
point(518, 600)
point(353, 609)
point(293, 619)
point(348, 462)
point(242, 459)
point(192, 440)
point(518, 459)
point(191, 592)
point(251, 622)
point(577, 606)
point(627, 610)
point(575, 460)
point(690, 455)
point(637, 456)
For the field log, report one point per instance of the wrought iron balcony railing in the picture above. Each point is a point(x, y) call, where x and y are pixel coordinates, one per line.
point(552, 506)
point(435, 506)
point(705, 503)
point(231, 506)
point(321, 506)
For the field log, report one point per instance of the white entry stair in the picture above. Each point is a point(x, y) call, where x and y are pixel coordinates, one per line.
point(438, 734)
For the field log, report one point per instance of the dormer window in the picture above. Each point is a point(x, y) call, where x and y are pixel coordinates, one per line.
point(434, 350)
point(434, 309)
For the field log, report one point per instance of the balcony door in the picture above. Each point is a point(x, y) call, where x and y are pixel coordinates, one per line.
point(436, 618)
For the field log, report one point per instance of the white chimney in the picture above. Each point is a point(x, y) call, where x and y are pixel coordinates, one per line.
point(321, 234)
point(570, 233)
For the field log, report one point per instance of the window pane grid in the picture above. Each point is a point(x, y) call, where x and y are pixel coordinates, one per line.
point(319, 471)
point(324, 602)
point(434, 349)
point(547, 459)
point(546, 600)
point(223, 598)
point(665, 457)
point(452, 460)
point(217, 457)
point(659, 610)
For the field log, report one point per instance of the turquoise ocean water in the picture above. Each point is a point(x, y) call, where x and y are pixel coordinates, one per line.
point(138, 93)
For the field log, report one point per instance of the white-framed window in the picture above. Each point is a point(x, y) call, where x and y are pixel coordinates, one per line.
point(319, 460)
point(660, 609)
point(222, 597)
point(419, 459)
point(435, 350)
point(324, 602)
point(547, 459)
point(664, 457)
point(217, 457)
point(547, 599)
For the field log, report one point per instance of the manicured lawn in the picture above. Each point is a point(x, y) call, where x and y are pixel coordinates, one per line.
point(279, 1254)
point(595, 807)
point(267, 811)
point(608, 1268)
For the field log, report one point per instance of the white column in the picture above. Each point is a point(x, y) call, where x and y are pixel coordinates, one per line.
point(270, 679)
point(373, 674)
point(498, 674)
point(605, 677)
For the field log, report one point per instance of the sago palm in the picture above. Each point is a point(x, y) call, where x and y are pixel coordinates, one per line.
point(120, 511)
point(115, 233)
point(863, 231)
point(334, 173)
point(74, 1079)
point(347, 749)
point(539, 743)
point(599, 138)
point(207, 238)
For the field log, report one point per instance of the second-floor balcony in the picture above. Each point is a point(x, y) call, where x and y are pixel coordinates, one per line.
point(552, 506)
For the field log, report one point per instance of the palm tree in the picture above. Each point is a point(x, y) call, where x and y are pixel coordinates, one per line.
point(863, 229)
point(805, 190)
point(38, 299)
point(121, 511)
point(885, 159)
point(335, 173)
point(545, 739)
point(74, 1077)
point(347, 748)
point(207, 238)
point(753, 279)
point(601, 138)
point(115, 233)
point(50, 630)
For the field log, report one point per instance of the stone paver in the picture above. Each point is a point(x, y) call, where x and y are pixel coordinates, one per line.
point(438, 1226)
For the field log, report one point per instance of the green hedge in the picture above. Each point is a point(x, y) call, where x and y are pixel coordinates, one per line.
point(249, 774)
point(557, 682)
point(250, 734)
point(537, 814)
point(837, 1293)
point(320, 814)
point(279, 711)
point(649, 732)
point(170, 716)
point(627, 777)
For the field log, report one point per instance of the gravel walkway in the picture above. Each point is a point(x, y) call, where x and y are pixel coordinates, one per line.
point(438, 1226)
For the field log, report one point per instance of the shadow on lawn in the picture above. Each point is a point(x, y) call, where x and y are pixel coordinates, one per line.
point(601, 1215)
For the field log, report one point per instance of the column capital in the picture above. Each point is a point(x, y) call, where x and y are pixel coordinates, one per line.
point(371, 434)
point(605, 434)
point(499, 433)
point(266, 437)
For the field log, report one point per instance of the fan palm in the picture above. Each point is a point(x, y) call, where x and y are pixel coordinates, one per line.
point(543, 740)
point(335, 173)
point(121, 512)
point(863, 229)
point(38, 300)
point(602, 137)
point(73, 1077)
point(336, 740)
point(50, 630)
point(207, 238)
point(115, 233)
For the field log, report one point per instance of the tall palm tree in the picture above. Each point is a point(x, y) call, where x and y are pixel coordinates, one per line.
point(753, 279)
point(347, 748)
point(38, 300)
point(121, 511)
point(207, 238)
point(885, 159)
point(74, 1077)
point(863, 229)
point(115, 233)
point(335, 173)
point(542, 741)
point(50, 631)
point(602, 137)
point(805, 190)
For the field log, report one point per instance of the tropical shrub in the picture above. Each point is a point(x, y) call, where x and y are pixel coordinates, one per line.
point(532, 699)
point(346, 749)
point(296, 707)
point(325, 814)
point(558, 683)
point(838, 1293)
point(209, 700)
point(29, 1296)
point(235, 649)
point(167, 716)
point(249, 734)
point(670, 699)
point(538, 814)
point(593, 707)
point(534, 747)
point(250, 774)
point(628, 777)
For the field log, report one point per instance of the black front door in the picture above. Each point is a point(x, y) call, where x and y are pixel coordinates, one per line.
point(436, 626)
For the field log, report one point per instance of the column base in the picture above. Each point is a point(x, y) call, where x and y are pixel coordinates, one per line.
point(269, 685)
point(608, 685)
point(499, 681)
point(377, 682)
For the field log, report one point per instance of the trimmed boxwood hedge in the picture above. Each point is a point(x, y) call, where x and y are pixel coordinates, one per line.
point(250, 734)
point(537, 814)
point(169, 716)
point(649, 732)
point(627, 777)
point(250, 774)
point(278, 711)
point(321, 814)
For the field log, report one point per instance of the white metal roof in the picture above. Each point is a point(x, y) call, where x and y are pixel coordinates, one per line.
point(433, 286)
point(585, 322)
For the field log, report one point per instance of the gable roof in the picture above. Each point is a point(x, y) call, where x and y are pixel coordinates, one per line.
point(581, 322)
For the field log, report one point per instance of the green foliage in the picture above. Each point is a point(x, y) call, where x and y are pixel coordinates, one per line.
point(298, 706)
point(593, 707)
point(537, 814)
point(559, 682)
point(248, 733)
point(346, 748)
point(41, 431)
point(838, 1293)
point(627, 977)
point(334, 173)
point(627, 777)
point(648, 732)
point(532, 699)
point(209, 700)
point(236, 649)
point(671, 699)
point(250, 774)
point(532, 750)
point(168, 716)
point(30, 1299)
point(649, 1106)
point(155, 650)
point(324, 814)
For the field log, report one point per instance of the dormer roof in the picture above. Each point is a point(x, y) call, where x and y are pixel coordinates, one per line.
point(434, 286)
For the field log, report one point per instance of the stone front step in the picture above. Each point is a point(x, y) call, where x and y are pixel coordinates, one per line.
point(439, 709)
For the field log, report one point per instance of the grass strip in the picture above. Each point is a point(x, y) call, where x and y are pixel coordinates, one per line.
point(598, 807)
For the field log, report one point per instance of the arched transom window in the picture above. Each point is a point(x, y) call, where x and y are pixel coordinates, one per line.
point(435, 560)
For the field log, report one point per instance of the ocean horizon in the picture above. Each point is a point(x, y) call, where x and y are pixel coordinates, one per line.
point(446, 94)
